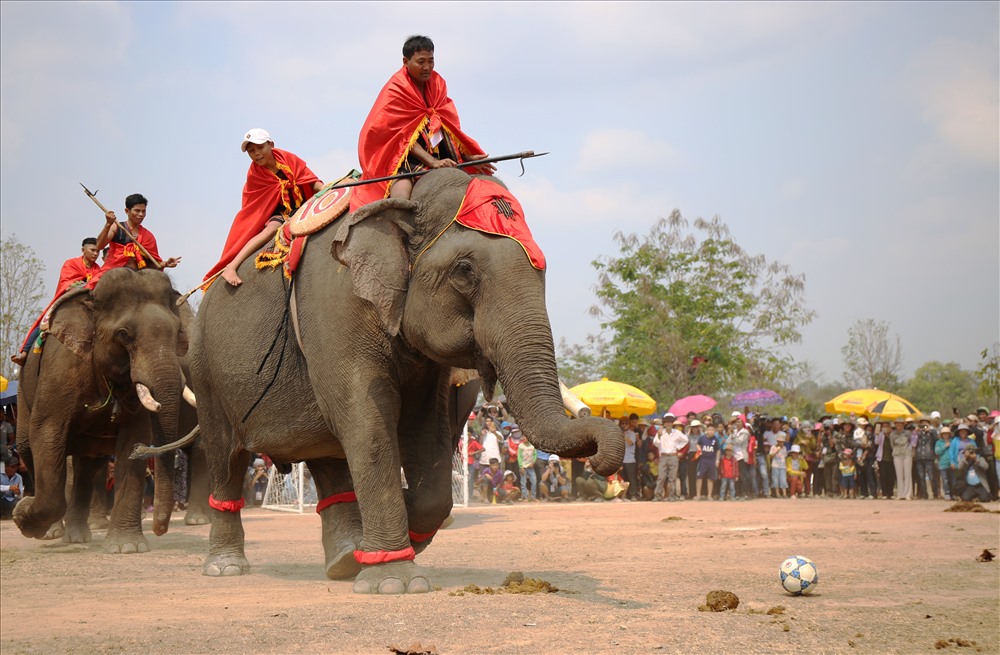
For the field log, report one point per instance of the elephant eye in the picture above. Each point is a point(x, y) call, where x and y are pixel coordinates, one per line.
point(123, 336)
point(463, 276)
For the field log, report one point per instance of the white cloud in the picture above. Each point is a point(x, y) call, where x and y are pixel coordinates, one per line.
point(616, 149)
point(955, 84)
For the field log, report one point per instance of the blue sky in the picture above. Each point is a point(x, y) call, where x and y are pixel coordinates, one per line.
point(856, 142)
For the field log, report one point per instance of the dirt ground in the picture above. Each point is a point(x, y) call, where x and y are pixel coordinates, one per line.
point(895, 577)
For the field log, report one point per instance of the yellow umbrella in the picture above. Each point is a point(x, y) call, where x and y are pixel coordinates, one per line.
point(3, 384)
point(872, 402)
point(617, 397)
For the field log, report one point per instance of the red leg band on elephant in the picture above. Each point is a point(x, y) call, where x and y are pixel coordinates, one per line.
point(346, 497)
point(384, 556)
point(225, 505)
point(417, 537)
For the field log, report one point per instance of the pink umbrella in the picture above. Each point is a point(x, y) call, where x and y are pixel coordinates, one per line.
point(696, 404)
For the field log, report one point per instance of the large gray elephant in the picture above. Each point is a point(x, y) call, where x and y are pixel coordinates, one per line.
point(386, 301)
point(108, 378)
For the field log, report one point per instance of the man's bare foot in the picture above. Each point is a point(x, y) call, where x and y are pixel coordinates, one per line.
point(230, 276)
point(20, 358)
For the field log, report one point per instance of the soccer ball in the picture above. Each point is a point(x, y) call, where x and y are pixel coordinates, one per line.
point(798, 575)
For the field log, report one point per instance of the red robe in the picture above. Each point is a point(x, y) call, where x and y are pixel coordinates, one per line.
point(123, 254)
point(394, 124)
point(72, 271)
point(263, 192)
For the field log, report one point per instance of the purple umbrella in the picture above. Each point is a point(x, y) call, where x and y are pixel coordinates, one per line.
point(696, 404)
point(756, 398)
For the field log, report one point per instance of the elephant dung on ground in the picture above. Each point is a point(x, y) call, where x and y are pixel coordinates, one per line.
point(387, 301)
point(108, 378)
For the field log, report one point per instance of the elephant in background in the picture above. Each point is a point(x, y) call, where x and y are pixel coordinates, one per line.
point(108, 378)
point(387, 301)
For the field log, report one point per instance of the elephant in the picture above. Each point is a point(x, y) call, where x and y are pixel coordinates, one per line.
point(347, 368)
point(107, 379)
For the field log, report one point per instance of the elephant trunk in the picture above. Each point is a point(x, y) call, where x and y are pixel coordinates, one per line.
point(166, 383)
point(519, 349)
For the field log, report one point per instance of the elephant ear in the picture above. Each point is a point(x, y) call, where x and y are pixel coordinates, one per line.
point(372, 243)
point(72, 323)
point(187, 318)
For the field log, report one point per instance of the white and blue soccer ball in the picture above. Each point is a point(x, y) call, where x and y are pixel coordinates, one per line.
point(799, 575)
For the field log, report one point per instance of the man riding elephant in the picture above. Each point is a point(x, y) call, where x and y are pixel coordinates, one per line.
point(412, 126)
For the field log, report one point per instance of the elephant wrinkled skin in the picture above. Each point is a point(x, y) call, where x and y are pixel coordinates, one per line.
point(78, 398)
point(388, 299)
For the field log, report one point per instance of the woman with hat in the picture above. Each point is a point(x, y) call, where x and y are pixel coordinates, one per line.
point(902, 458)
point(943, 451)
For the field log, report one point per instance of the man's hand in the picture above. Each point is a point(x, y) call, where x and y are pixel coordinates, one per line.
point(110, 217)
point(15, 489)
point(443, 163)
point(172, 262)
point(485, 168)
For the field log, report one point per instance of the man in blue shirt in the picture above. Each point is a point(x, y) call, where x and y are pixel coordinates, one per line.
point(11, 488)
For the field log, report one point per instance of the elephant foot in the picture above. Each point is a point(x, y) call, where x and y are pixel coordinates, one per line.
point(55, 531)
point(197, 516)
point(29, 526)
point(225, 565)
point(98, 522)
point(77, 534)
point(392, 578)
point(125, 544)
point(342, 565)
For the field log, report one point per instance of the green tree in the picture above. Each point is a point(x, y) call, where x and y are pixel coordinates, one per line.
point(21, 294)
point(689, 311)
point(989, 374)
point(579, 363)
point(939, 386)
point(872, 358)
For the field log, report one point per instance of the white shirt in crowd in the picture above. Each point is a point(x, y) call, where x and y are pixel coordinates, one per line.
point(491, 448)
point(669, 442)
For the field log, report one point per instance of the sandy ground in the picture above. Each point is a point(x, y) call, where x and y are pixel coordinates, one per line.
point(895, 577)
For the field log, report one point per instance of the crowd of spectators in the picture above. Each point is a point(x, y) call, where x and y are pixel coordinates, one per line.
point(746, 456)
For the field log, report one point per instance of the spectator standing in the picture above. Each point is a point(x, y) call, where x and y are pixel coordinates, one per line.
point(924, 458)
point(943, 451)
point(847, 474)
point(256, 484)
point(829, 462)
point(866, 459)
point(708, 455)
point(883, 455)
point(779, 471)
point(514, 439)
point(763, 450)
point(729, 473)
point(902, 458)
point(490, 439)
point(740, 441)
point(6, 435)
point(526, 457)
point(631, 431)
point(807, 452)
point(670, 442)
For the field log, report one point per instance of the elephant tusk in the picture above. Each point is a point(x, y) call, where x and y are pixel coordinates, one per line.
point(146, 398)
point(189, 396)
point(142, 451)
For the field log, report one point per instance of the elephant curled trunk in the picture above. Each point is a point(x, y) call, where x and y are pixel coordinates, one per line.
point(521, 352)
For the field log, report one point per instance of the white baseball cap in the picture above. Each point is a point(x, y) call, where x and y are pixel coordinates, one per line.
point(553, 458)
point(935, 414)
point(256, 135)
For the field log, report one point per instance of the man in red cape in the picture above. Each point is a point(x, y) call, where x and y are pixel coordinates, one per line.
point(74, 271)
point(412, 126)
point(121, 249)
point(278, 182)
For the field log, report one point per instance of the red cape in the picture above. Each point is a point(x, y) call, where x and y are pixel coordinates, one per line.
point(74, 270)
point(123, 254)
point(393, 126)
point(261, 194)
point(492, 209)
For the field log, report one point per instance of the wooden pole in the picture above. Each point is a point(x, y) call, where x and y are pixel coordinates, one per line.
point(157, 264)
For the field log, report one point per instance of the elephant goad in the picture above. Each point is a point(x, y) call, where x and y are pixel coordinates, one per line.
point(109, 352)
point(386, 301)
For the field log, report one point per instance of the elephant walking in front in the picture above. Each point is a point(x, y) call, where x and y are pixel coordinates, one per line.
point(386, 301)
point(108, 378)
